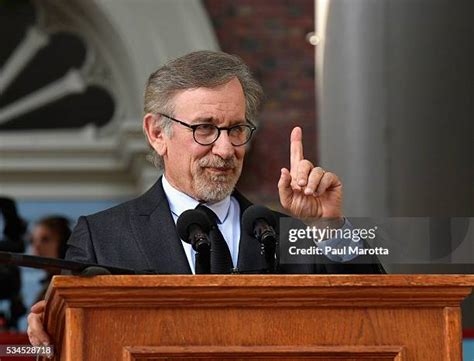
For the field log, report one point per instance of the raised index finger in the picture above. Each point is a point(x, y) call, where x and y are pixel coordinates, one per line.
point(296, 149)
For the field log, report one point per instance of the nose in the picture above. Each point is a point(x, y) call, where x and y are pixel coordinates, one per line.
point(223, 147)
point(35, 248)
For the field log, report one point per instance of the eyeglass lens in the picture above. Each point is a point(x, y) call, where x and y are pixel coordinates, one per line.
point(207, 134)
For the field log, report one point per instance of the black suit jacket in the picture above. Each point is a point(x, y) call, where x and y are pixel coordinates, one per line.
point(141, 235)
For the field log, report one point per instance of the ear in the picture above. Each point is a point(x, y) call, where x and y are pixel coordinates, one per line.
point(156, 137)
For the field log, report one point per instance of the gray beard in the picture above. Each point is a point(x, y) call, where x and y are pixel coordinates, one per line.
point(215, 187)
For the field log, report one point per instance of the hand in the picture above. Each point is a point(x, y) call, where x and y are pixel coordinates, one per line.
point(306, 191)
point(36, 332)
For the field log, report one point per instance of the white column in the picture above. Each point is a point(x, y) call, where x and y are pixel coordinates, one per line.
point(351, 98)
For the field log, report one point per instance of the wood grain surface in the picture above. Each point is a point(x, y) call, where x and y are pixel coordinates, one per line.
point(338, 317)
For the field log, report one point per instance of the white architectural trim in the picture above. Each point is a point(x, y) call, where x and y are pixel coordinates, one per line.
point(34, 40)
point(80, 165)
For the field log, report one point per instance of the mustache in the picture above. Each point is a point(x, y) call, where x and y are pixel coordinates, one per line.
point(218, 162)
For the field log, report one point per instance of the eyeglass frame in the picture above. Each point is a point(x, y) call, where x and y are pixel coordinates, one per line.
point(252, 127)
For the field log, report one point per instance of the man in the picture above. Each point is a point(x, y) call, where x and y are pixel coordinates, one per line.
point(200, 111)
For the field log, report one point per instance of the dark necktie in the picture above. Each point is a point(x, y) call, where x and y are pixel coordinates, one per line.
point(221, 260)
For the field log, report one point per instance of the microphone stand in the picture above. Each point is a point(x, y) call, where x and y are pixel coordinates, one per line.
point(269, 243)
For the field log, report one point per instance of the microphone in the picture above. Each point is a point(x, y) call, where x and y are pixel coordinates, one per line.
point(260, 223)
point(193, 227)
point(76, 268)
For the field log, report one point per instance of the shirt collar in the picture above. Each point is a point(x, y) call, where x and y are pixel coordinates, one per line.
point(180, 202)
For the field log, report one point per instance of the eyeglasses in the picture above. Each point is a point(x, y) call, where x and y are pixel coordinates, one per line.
point(207, 134)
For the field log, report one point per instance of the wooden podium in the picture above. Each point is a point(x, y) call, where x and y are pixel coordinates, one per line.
point(292, 317)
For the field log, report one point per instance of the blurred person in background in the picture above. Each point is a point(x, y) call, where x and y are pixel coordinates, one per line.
point(49, 239)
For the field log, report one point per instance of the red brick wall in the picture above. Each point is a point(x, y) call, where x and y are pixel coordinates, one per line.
point(270, 35)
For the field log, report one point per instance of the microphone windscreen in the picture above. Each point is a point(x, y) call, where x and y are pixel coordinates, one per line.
point(252, 213)
point(190, 217)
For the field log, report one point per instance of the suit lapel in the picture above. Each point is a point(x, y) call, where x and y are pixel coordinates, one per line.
point(155, 232)
point(250, 258)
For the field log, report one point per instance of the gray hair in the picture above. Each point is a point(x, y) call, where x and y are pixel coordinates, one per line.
point(200, 69)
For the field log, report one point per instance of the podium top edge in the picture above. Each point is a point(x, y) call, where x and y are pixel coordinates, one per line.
point(250, 281)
